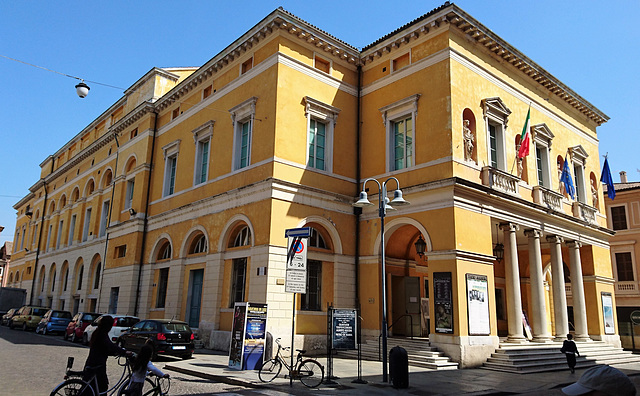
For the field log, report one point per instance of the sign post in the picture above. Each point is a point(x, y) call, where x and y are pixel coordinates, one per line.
point(296, 274)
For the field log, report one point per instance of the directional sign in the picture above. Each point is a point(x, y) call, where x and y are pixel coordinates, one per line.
point(304, 232)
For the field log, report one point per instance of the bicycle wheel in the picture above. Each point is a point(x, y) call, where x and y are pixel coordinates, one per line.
point(269, 370)
point(311, 373)
point(73, 387)
point(148, 388)
point(164, 384)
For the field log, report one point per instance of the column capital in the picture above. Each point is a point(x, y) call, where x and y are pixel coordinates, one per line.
point(532, 232)
point(574, 244)
point(513, 227)
point(554, 239)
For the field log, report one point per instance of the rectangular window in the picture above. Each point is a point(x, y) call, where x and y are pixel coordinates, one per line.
point(619, 217)
point(23, 237)
point(624, 265)
point(322, 64)
point(72, 227)
point(246, 66)
point(128, 199)
point(202, 161)
point(163, 281)
point(49, 236)
point(35, 234)
point(245, 144)
point(113, 300)
point(59, 236)
point(317, 144)
point(104, 218)
point(493, 145)
point(133, 133)
point(238, 280)
point(542, 166)
point(85, 228)
point(206, 92)
point(403, 143)
point(170, 175)
point(175, 113)
point(121, 251)
point(579, 181)
point(401, 62)
point(312, 299)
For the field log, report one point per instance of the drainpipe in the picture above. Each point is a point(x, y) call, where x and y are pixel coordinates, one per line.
point(146, 214)
point(358, 211)
point(35, 265)
point(106, 242)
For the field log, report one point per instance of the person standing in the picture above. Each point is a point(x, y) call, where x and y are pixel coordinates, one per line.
point(570, 350)
point(141, 365)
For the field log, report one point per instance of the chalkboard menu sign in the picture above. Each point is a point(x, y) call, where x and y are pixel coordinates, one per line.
point(343, 334)
point(443, 302)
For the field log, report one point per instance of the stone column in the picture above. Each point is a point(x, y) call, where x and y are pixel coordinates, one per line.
point(512, 273)
point(538, 306)
point(577, 292)
point(559, 291)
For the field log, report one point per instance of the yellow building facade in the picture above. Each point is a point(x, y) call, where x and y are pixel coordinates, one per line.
point(174, 201)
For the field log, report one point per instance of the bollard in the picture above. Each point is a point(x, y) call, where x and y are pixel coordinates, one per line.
point(399, 367)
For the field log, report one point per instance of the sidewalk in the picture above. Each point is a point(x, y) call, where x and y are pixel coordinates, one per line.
point(213, 365)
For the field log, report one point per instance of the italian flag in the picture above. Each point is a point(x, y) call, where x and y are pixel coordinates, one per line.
point(524, 138)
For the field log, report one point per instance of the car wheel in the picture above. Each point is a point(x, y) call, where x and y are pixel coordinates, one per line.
point(187, 356)
point(24, 326)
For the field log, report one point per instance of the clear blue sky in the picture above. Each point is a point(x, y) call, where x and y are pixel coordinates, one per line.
point(591, 47)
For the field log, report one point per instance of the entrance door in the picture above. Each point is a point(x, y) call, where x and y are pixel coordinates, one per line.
point(76, 305)
point(194, 297)
point(405, 301)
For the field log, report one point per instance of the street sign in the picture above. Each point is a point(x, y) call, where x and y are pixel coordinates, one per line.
point(304, 232)
point(635, 317)
point(297, 253)
point(295, 281)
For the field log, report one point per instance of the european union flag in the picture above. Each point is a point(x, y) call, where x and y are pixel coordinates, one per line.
point(567, 179)
point(606, 179)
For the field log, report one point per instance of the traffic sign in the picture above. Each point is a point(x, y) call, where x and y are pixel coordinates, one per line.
point(304, 232)
point(635, 317)
point(297, 254)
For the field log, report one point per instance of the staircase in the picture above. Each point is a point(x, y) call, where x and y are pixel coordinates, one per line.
point(535, 358)
point(419, 351)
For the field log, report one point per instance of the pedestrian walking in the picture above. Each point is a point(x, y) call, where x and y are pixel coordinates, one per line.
point(570, 350)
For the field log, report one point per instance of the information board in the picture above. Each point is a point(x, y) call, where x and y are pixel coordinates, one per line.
point(478, 305)
point(248, 336)
point(443, 302)
point(344, 329)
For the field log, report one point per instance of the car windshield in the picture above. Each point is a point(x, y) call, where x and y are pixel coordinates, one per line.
point(89, 317)
point(181, 327)
point(40, 311)
point(61, 314)
point(126, 322)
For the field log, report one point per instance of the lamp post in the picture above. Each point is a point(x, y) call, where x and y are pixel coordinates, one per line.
point(384, 204)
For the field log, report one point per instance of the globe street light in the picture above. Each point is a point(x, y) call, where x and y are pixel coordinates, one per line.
point(384, 204)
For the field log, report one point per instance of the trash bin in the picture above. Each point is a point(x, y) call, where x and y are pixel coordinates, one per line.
point(399, 367)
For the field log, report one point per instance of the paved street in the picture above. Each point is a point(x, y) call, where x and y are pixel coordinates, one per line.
point(33, 364)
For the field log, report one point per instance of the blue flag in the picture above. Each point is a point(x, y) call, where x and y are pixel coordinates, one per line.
point(608, 180)
point(567, 179)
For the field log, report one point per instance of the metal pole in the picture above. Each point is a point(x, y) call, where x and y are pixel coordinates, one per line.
point(293, 332)
point(382, 204)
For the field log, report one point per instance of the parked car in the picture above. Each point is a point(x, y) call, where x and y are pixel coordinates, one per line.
point(120, 324)
point(79, 322)
point(6, 318)
point(170, 337)
point(27, 317)
point(54, 321)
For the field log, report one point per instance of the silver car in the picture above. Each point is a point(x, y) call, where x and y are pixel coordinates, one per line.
point(120, 324)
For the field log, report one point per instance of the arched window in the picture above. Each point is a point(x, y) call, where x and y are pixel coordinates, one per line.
point(243, 238)
point(199, 245)
point(316, 239)
point(107, 179)
point(165, 251)
point(96, 280)
point(63, 201)
point(11, 278)
point(75, 195)
point(18, 276)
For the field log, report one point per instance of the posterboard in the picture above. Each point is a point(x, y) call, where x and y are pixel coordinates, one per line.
point(344, 329)
point(254, 336)
point(478, 305)
point(443, 302)
point(607, 313)
point(237, 335)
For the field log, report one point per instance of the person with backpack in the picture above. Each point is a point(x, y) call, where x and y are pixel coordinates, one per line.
point(570, 350)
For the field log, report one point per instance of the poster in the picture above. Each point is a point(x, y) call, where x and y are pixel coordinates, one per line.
point(343, 329)
point(237, 333)
point(607, 313)
point(478, 305)
point(254, 337)
point(443, 302)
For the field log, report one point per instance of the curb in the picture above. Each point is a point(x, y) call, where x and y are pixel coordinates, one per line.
point(214, 377)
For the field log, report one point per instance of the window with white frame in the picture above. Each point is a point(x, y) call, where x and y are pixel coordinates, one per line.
point(579, 159)
point(170, 167)
point(618, 217)
point(72, 226)
point(85, 228)
point(104, 218)
point(242, 117)
point(59, 236)
point(128, 199)
point(49, 236)
point(399, 119)
point(22, 241)
point(496, 115)
point(542, 137)
point(624, 267)
point(321, 120)
point(202, 138)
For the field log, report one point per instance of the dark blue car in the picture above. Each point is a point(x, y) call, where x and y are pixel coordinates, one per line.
point(54, 321)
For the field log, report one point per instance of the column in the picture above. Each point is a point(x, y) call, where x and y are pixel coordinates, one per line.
point(512, 272)
point(538, 306)
point(559, 292)
point(577, 292)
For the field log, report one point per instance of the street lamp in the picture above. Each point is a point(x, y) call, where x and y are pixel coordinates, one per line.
point(384, 204)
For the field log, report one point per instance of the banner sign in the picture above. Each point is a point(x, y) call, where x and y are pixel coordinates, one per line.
point(248, 336)
point(344, 329)
point(237, 335)
point(443, 302)
point(478, 305)
point(607, 313)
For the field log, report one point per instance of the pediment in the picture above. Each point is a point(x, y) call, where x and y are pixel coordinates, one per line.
point(578, 153)
point(542, 134)
point(496, 109)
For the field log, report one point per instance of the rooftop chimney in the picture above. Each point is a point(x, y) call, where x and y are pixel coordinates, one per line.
point(623, 177)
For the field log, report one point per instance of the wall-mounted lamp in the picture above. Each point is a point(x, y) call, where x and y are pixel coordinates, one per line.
point(420, 245)
point(498, 249)
point(132, 212)
point(82, 89)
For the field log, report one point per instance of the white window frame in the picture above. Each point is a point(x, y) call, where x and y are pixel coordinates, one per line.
point(404, 108)
point(578, 162)
point(22, 240)
point(85, 227)
point(170, 152)
point(626, 248)
point(542, 137)
point(72, 226)
point(327, 115)
point(128, 198)
point(610, 216)
point(46, 248)
point(104, 217)
point(59, 235)
point(241, 114)
point(496, 114)
point(202, 135)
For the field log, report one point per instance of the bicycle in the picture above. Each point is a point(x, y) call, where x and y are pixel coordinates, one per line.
point(308, 371)
point(158, 386)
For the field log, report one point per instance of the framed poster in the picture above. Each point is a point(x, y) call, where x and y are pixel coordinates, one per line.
point(237, 335)
point(443, 302)
point(254, 336)
point(478, 305)
point(344, 329)
point(607, 313)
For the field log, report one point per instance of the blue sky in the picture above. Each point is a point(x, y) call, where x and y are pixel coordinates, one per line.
point(591, 47)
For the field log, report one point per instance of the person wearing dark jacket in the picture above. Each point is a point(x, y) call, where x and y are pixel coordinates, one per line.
point(570, 350)
point(100, 349)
